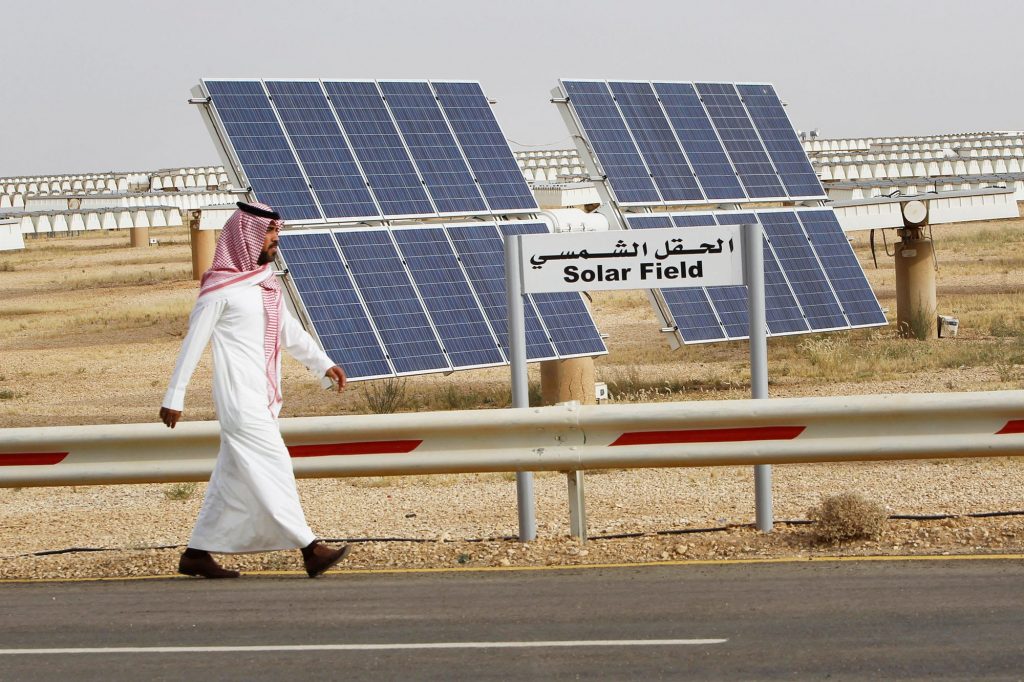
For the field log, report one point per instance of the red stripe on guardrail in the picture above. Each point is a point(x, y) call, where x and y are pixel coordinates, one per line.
point(710, 435)
point(20, 459)
point(373, 447)
point(1012, 426)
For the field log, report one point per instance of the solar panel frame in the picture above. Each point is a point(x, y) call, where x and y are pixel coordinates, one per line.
point(298, 299)
point(304, 211)
point(328, 214)
point(426, 175)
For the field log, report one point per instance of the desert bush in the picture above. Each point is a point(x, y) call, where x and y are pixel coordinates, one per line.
point(180, 491)
point(385, 396)
point(847, 516)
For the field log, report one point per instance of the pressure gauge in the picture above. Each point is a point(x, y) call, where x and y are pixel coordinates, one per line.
point(915, 213)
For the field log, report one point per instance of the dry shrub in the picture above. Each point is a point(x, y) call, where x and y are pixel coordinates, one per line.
point(847, 516)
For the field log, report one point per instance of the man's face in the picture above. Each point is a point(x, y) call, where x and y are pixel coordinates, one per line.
point(270, 243)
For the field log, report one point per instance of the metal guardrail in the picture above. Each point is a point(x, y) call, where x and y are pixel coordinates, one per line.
point(567, 438)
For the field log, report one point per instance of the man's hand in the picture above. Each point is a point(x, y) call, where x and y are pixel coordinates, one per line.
point(169, 416)
point(337, 375)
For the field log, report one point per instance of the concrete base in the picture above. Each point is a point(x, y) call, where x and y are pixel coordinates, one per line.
point(204, 243)
point(565, 380)
point(139, 236)
point(915, 289)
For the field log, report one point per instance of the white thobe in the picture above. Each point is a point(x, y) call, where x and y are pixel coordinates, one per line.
point(252, 503)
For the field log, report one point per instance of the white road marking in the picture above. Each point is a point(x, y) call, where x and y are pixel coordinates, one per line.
point(361, 647)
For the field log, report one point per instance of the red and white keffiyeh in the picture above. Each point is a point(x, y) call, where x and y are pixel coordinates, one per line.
point(234, 263)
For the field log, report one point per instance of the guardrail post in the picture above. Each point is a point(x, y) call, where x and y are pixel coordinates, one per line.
point(753, 273)
point(577, 506)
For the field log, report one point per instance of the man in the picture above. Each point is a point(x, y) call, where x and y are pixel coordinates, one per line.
point(251, 504)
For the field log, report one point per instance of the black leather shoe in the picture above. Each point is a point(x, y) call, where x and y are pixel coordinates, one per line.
point(204, 566)
point(318, 557)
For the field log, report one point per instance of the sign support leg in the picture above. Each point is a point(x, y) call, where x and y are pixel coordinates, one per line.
point(520, 382)
point(753, 273)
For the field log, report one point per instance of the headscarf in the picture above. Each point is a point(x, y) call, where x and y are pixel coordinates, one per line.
point(234, 262)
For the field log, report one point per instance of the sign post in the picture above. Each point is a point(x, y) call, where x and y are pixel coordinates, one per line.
point(753, 274)
point(722, 255)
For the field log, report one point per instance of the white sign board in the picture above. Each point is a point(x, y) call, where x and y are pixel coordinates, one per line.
point(634, 259)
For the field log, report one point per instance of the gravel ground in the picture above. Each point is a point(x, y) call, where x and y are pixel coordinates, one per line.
point(107, 361)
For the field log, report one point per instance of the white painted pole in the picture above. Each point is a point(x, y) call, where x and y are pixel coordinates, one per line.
point(520, 382)
point(753, 274)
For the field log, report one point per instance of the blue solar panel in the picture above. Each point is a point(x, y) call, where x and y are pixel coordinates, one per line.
point(482, 253)
point(781, 310)
point(379, 148)
point(435, 151)
point(564, 314)
point(643, 222)
point(485, 147)
point(338, 317)
point(741, 141)
point(656, 141)
point(699, 140)
point(841, 266)
point(391, 299)
point(628, 177)
point(262, 148)
point(808, 281)
point(780, 141)
point(322, 149)
point(688, 307)
point(448, 297)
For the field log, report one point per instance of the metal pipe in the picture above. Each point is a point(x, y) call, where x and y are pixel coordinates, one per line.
point(525, 498)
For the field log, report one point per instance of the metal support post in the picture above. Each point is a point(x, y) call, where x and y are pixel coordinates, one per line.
point(520, 382)
point(753, 274)
point(577, 506)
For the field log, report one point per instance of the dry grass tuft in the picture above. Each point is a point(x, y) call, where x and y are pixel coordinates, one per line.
point(180, 491)
point(847, 516)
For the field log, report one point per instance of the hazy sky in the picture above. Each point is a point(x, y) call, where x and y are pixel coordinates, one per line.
point(102, 85)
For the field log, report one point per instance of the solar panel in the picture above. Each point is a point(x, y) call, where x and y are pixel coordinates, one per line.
point(840, 263)
point(564, 314)
point(813, 281)
point(362, 150)
point(433, 147)
point(262, 148)
point(482, 252)
point(628, 177)
point(780, 141)
point(392, 301)
point(469, 112)
point(697, 135)
point(741, 141)
point(379, 148)
point(656, 141)
point(322, 150)
point(448, 297)
point(332, 305)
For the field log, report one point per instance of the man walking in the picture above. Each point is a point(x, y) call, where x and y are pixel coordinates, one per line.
point(251, 504)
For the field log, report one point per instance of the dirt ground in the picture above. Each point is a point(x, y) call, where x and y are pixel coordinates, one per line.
point(89, 329)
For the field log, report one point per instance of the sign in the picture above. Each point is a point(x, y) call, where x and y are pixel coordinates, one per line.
point(633, 259)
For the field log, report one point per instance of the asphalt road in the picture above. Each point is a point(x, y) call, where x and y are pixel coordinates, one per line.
point(841, 620)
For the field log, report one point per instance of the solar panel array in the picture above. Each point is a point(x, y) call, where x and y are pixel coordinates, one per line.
point(427, 298)
point(813, 281)
point(668, 143)
point(339, 151)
